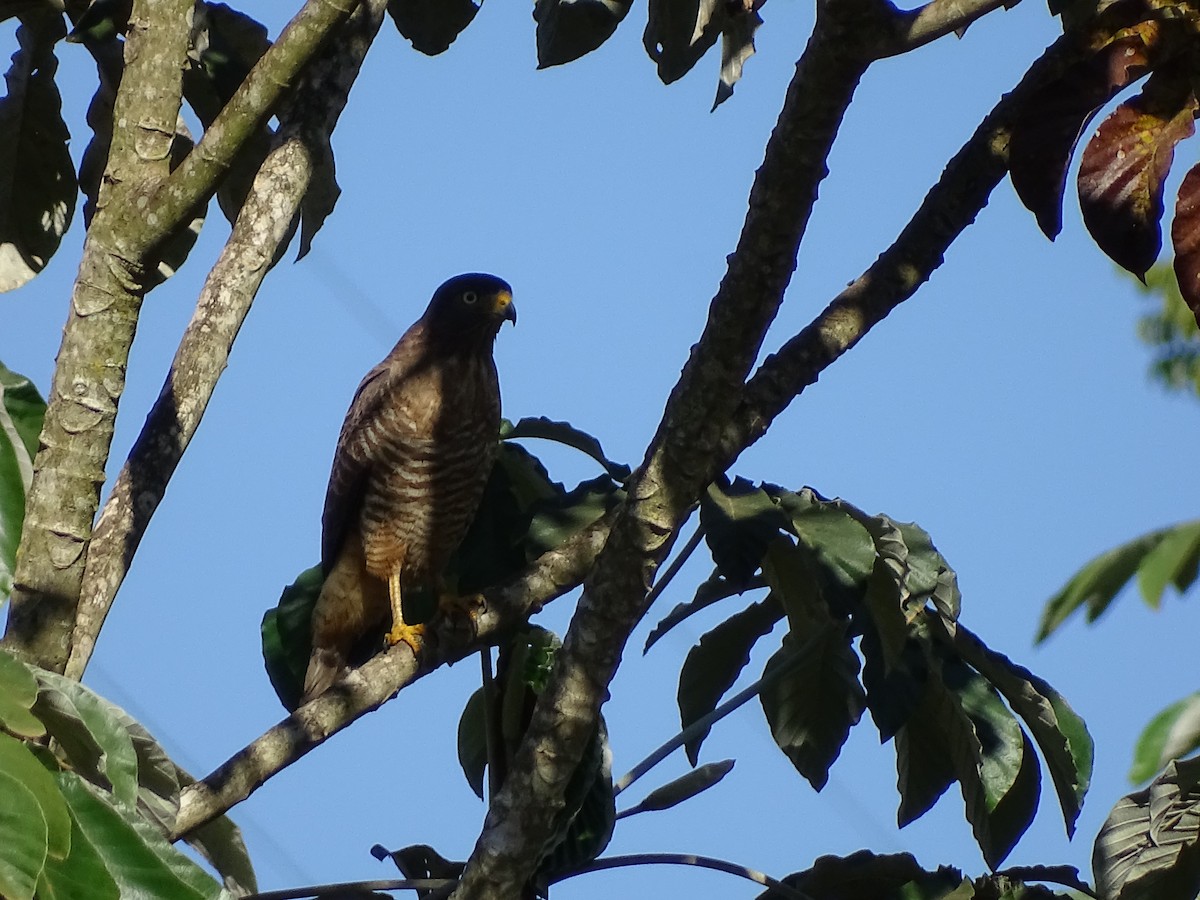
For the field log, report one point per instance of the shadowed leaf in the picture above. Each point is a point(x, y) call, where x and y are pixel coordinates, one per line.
point(1123, 166)
point(866, 876)
point(1059, 731)
point(37, 177)
point(1051, 122)
point(713, 665)
point(432, 25)
point(21, 412)
point(1147, 848)
point(18, 693)
point(1067, 876)
point(715, 587)
point(568, 29)
point(1173, 562)
point(563, 433)
point(740, 520)
point(472, 741)
point(737, 45)
point(812, 711)
point(287, 636)
point(682, 788)
point(1173, 733)
point(1185, 239)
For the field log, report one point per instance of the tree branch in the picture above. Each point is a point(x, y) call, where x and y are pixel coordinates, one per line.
point(264, 226)
point(686, 452)
point(89, 377)
point(917, 27)
point(364, 689)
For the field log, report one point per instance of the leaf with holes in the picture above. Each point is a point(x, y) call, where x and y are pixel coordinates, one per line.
point(679, 32)
point(1050, 122)
point(1123, 167)
point(37, 177)
point(1149, 847)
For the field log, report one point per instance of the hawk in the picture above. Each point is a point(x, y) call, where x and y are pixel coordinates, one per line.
point(408, 472)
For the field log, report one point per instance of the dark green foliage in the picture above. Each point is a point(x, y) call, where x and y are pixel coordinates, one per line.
point(567, 29)
point(432, 25)
point(21, 412)
point(953, 706)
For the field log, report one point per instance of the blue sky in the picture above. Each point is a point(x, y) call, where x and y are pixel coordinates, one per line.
point(1005, 409)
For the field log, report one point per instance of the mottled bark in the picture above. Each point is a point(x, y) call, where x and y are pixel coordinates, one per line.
point(263, 228)
point(141, 203)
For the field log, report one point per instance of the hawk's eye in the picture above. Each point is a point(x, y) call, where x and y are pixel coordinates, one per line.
point(470, 297)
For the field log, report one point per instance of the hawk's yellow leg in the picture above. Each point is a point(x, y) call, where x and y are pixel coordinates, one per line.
point(401, 631)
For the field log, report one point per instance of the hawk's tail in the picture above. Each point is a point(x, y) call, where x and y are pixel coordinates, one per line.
point(324, 667)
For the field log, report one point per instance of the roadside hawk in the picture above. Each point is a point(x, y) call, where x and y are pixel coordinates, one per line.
point(408, 472)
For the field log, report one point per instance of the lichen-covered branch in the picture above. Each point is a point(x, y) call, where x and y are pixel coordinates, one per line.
point(263, 228)
point(686, 452)
point(366, 688)
point(90, 374)
point(140, 204)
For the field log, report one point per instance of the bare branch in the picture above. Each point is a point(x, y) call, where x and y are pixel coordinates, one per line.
point(262, 231)
point(918, 27)
point(368, 687)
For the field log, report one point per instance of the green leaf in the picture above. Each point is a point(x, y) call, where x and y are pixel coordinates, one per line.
point(1148, 847)
point(715, 587)
point(472, 741)
point(924, 768)
point(1067, 876)
point(1099, 582)
point(17, 761)
point(567, 434)
point(21, 412)
point(812, 710)
point(432, 25)
point(23, 833)
point(93, 740)
point(1173, 733)
point(287, 636)
point(81, 876)
point(18, 693)
point(37, 177)
point(1173, 561)
point(713, 665)
point(568, 29)
point(1060, 733)
point(136, 855)
point(556, 520)
point(740, 520)
point(840, 543)
point(682, 788)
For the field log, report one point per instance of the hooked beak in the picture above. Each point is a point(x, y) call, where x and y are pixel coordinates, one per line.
point(505, 308)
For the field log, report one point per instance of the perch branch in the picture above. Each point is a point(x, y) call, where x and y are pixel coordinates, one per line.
point(364, 689)
point(264, 227)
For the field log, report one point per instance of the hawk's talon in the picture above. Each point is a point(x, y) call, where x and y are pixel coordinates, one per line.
point(413, 635)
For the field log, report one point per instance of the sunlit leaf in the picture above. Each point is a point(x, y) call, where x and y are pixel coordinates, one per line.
point(432, 25)
point(18, 693)
point(1173, 562)
point(22, 839)
point(713, 665)
point(1122, 169)
point(682, 788)
point(568, 29)
point(1147, 848)
point(37, 177)
point(136, 855)
point(18, 762)
point(1172, 734)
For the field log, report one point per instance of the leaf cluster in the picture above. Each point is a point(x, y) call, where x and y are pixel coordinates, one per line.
point(871, 611)
point(88, 797)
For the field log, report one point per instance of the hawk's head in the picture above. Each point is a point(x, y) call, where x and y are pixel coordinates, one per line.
point(473, 304)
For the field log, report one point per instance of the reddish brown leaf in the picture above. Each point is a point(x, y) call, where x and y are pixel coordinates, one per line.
point(1123, 166)
point(1185, 238)
point(1044, 136)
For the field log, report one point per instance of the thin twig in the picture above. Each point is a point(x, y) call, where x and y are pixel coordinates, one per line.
point(701, 725)
point(686, 859)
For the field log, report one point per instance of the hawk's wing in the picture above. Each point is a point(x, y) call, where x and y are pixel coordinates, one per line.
point(353, 457)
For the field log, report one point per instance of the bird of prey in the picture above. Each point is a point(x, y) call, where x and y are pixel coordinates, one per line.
point(409, 470)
